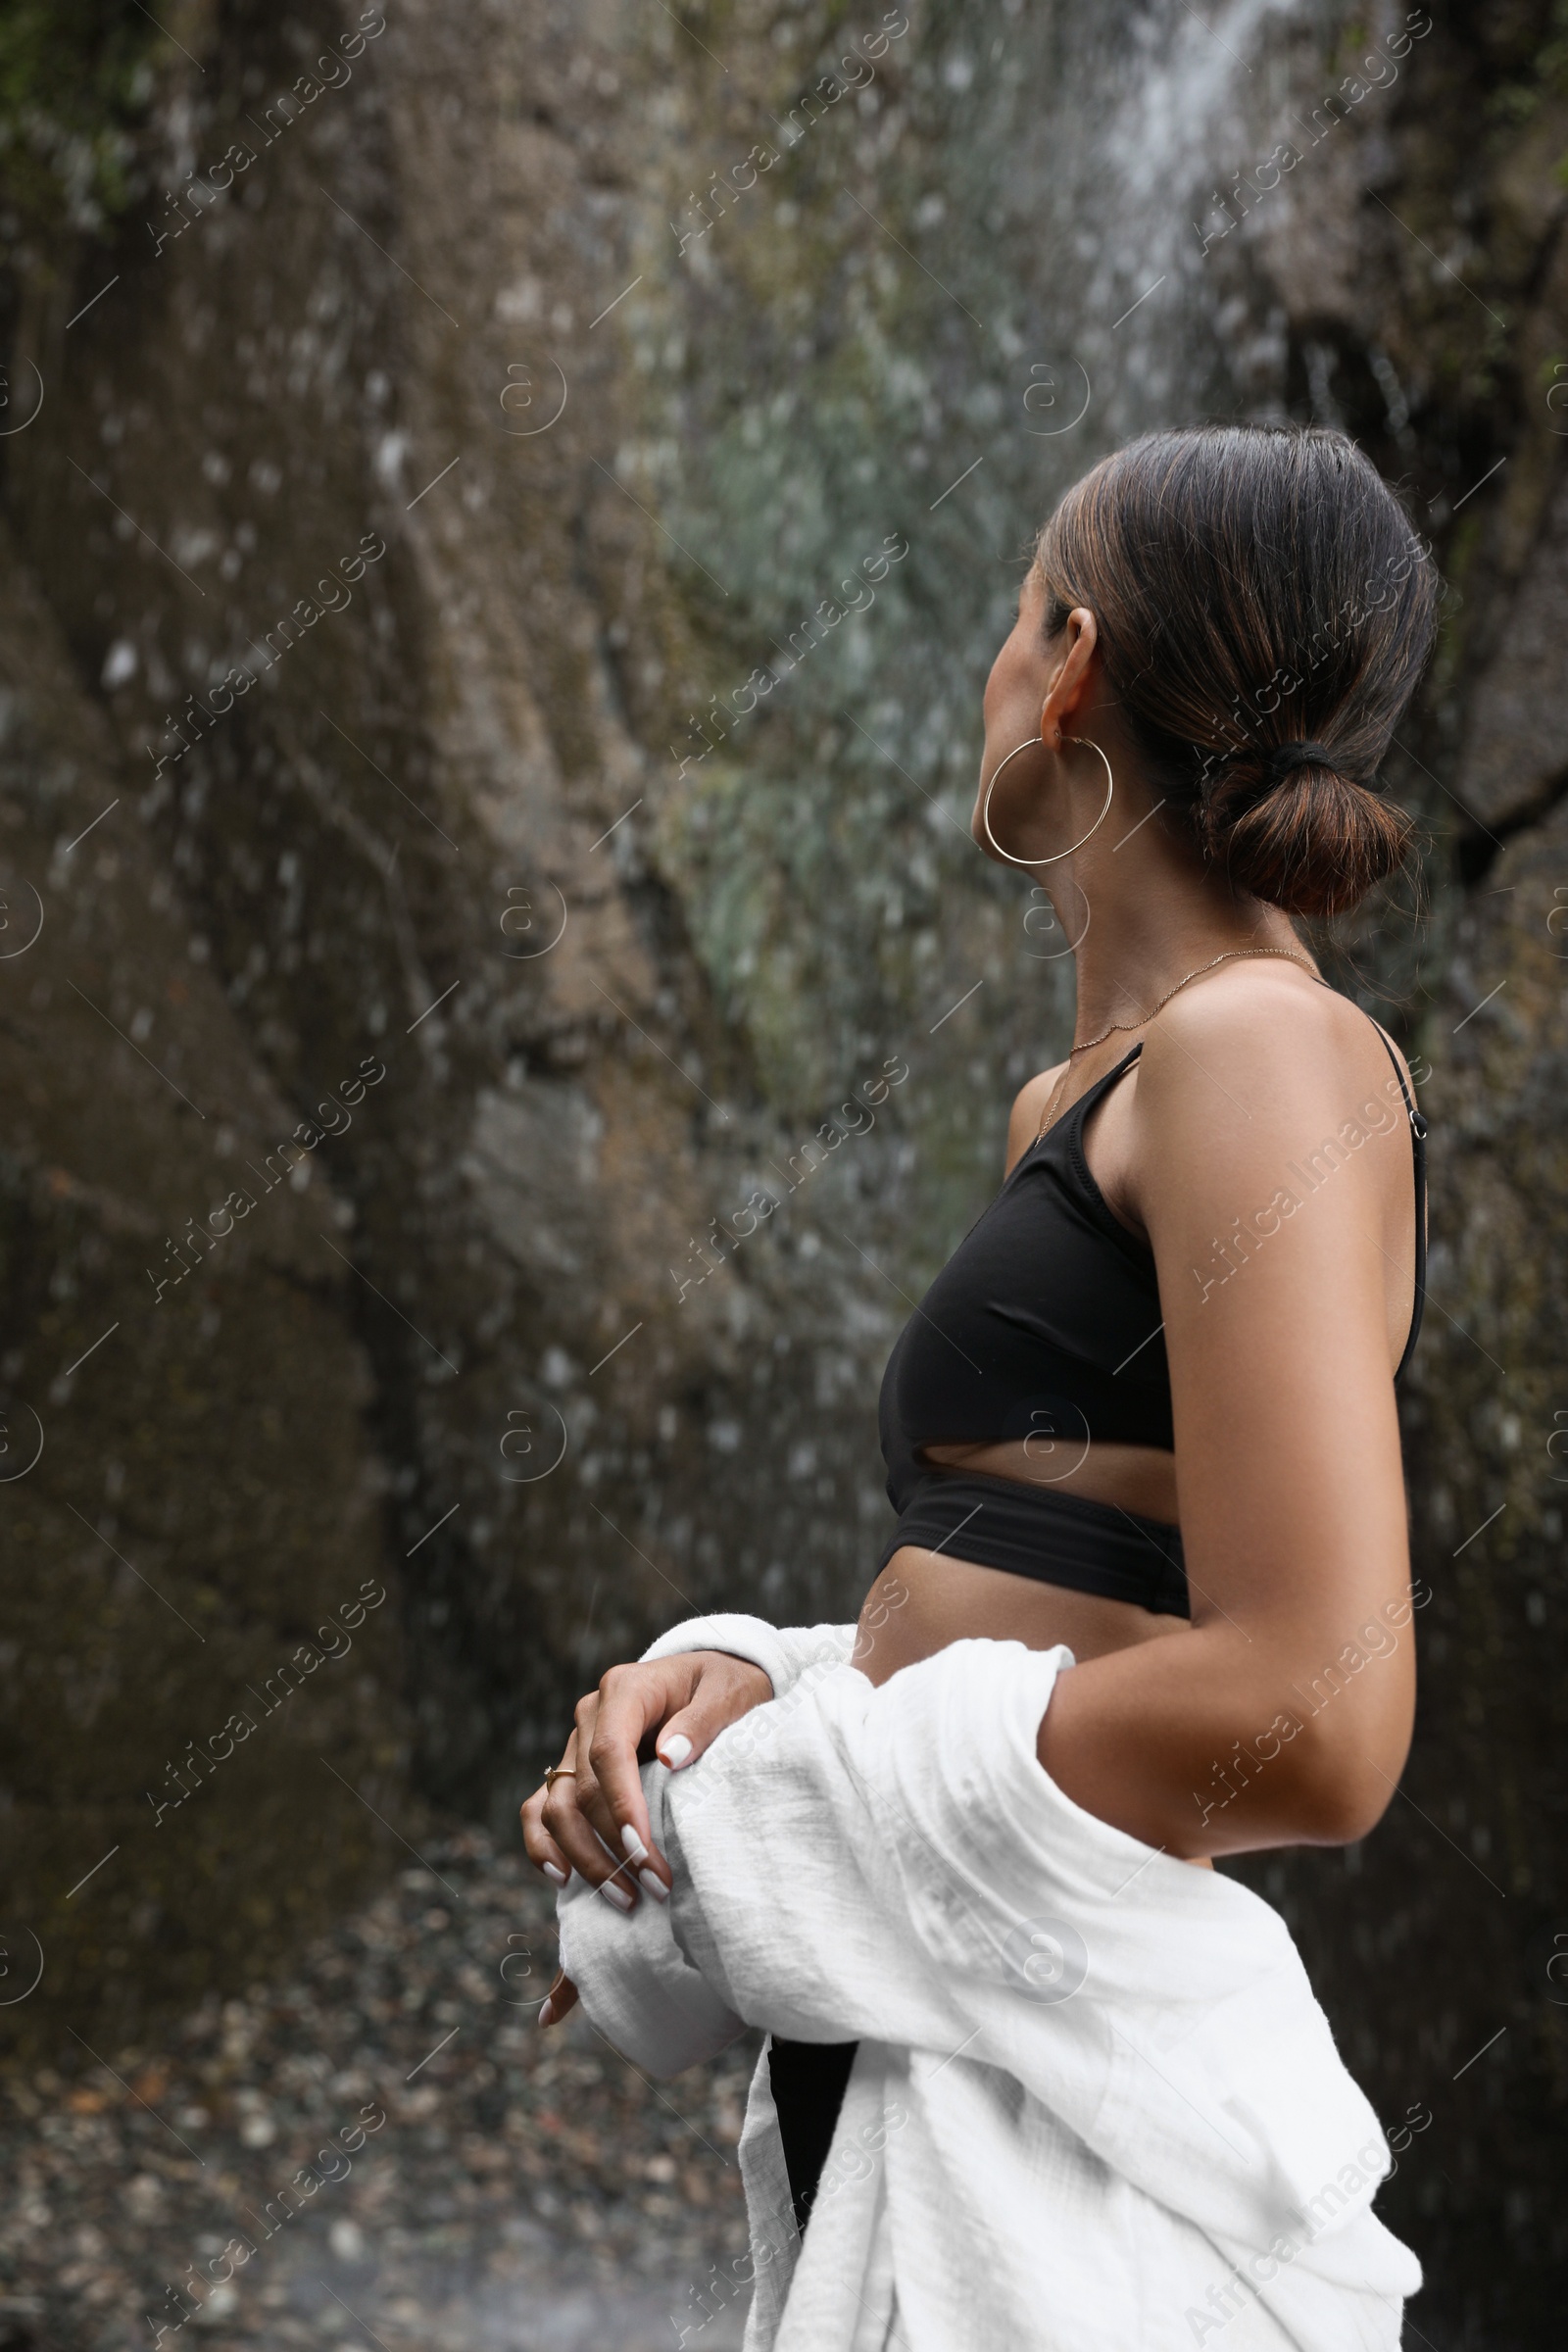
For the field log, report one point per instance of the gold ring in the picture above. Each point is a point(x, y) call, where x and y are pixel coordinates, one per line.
point(560, 1772)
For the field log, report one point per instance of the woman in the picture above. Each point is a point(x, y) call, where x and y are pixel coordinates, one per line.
point(1145, 1419)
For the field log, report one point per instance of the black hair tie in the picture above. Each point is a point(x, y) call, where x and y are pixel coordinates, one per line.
point(1288, 756)
point(1274, 767)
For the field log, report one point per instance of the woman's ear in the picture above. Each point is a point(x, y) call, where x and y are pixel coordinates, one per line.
point(1069, 693)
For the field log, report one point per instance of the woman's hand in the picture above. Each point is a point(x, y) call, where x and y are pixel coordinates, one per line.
point(593, 1818)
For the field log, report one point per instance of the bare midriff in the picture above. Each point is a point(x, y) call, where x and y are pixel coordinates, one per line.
point(1140, 1478)
point(923, 1601)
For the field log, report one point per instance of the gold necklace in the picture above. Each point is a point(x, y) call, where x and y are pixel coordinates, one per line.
point(1231, 956)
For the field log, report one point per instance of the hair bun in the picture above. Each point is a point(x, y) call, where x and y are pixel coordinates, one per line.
point(1289, 825)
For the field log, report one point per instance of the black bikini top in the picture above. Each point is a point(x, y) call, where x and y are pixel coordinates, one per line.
point(1046, 1325)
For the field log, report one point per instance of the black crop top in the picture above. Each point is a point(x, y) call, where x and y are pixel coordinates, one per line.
point(1044, 1325)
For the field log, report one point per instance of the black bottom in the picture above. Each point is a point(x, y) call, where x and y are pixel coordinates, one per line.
point(1052, 1537)
point(807, 2079)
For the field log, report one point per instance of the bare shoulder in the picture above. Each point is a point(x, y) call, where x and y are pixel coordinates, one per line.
point(1257, 1047)
point(1028, 1110)
point(1250, 1098)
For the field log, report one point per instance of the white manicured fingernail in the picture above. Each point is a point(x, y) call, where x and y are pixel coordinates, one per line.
point(652, 1884)
point(547, 2013)
point(552, 1871)
point(633, 1843)
point(616, 1895)
point(675, 1750)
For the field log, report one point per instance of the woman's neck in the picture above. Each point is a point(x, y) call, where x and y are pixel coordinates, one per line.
point(1147, 915)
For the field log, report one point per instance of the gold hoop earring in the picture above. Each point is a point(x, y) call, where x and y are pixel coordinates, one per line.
point(1057, 855)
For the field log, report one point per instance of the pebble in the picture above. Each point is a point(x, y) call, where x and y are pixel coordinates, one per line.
point(526, 2191)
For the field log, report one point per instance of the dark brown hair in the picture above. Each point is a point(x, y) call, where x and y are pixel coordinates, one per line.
point(1265, 611)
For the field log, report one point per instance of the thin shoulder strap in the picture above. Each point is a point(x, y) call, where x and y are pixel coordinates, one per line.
point(1418, 1139)
point(1076, 1112)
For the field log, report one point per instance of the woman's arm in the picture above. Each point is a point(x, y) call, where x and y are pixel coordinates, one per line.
point(1275, 1184)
